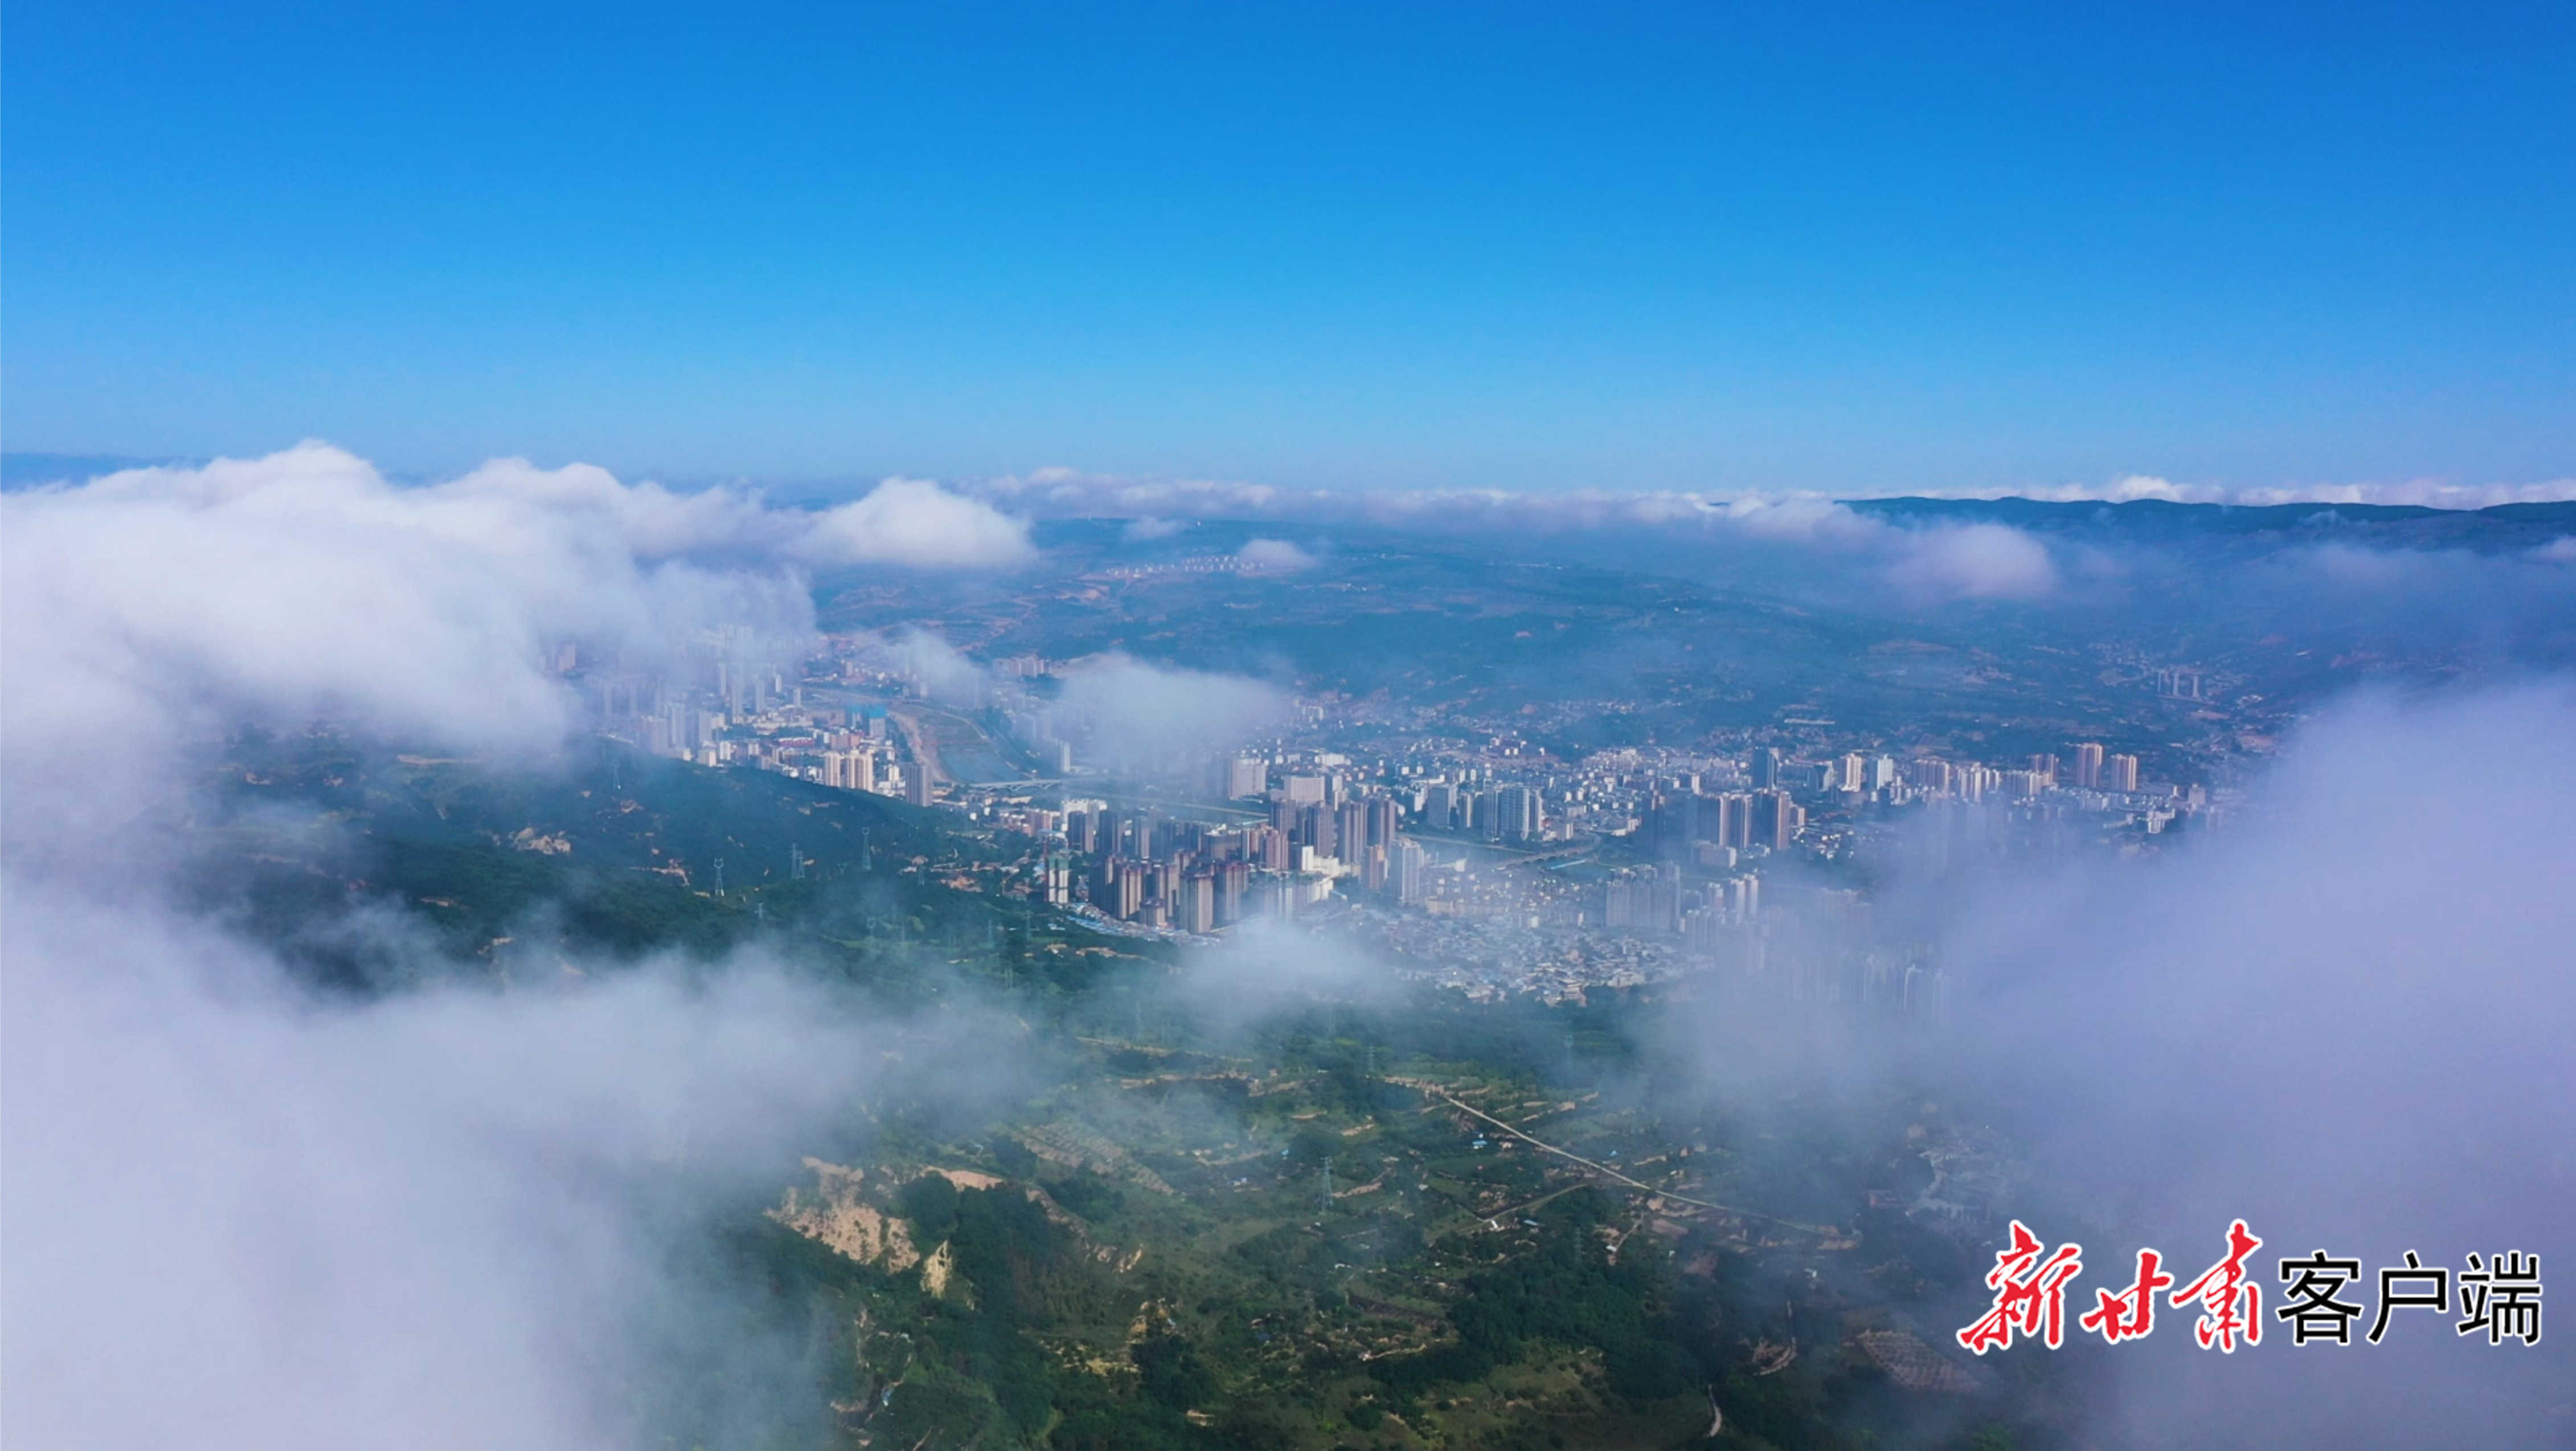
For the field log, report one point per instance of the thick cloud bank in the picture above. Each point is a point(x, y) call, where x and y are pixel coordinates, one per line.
point(2344, 1016)
point(237, 1219)
point(146, 602)
point(234, 1216)
point(2362, 982)
point(2346, 1020)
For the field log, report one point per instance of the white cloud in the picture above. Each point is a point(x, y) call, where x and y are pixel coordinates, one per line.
point(1930, 564)
point(1139, 713)
point(145, 602)
point(2352, 1037)
point(2119, 491)
point(240, 1217)
point(1117, 710)
point(1265, 968)
point(914, 521)
point(1799, 520)
point(1066, 492)
point(240, 1220)
point(1974, 561)
point(944, 672)
point(2426, 493)
point(1274, 556)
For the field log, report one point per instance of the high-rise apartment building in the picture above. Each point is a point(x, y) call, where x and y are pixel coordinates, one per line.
point(2120, 773)
point(1350, 829)
point(1317, 827)
point(1233, 883)
point(2088, 765)
point(1269, 848)
point(850, 770)
point(1440, 806)
point(1246, 776)
point(1516, 813)
point(1776, 819)
point(1381, 821)
point(1198, 903)
point(1680, 822)
point(1412, 872)
point(1766, 768)
point(1673, 823)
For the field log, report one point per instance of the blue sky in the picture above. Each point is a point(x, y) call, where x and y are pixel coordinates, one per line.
point(1717, 246)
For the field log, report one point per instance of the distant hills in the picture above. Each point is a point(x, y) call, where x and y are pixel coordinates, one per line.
point(2504, 525)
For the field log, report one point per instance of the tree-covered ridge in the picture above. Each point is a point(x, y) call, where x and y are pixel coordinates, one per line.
point(1181, 1226)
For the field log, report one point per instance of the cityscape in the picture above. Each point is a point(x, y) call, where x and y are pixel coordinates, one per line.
point(1320, 728)
point(1310, 1010)
point(1616, 869)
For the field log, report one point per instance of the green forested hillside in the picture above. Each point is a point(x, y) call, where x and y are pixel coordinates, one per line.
point(1419, 1222)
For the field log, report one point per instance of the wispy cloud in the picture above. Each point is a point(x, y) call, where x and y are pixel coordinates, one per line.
point(1974, 561)
point(1923, 563)
point(2425, 493)
point(237, 1218)
point(1140, 712)
point(1063, 492)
